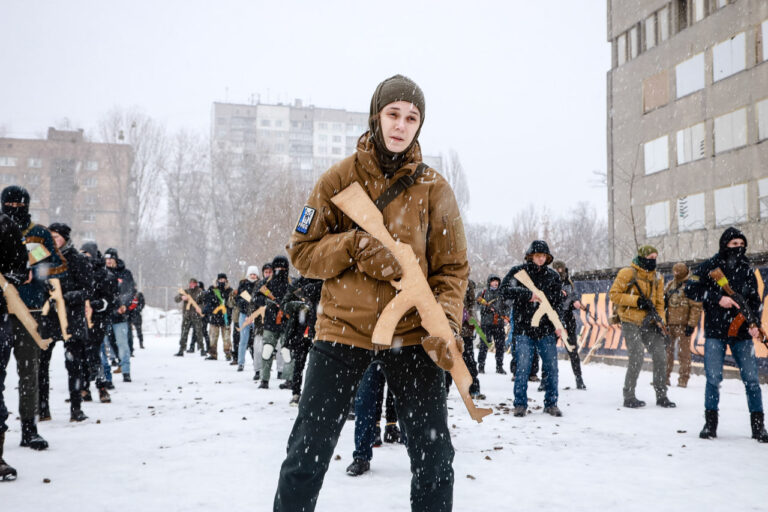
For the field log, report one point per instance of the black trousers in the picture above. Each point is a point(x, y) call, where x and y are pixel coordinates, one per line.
point(92, 353)
point(299, 353)
point(469, 359)
point(333, 373)
point(6, 345)
point(495, 335)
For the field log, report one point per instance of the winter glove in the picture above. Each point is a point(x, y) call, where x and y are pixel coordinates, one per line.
point(689, 331)
point(438, 350)
point(374, 259)
point(47, 327)
point(73, 298)
point(644, 303)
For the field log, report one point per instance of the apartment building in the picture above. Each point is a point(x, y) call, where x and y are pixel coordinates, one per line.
point(71, 180)
point(687, 125)
point(305, 140)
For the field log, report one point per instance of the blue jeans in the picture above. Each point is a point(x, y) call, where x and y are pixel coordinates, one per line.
point(105, 375)
point(547, 347)
point(123, 349)
point(245, 333)
point(370, 386)
point(744, 353)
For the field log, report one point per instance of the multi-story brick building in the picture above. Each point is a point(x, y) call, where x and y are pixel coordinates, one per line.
point(687, 125)
point(84, 184)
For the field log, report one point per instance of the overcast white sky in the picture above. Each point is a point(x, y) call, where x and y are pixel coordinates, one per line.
point(517, 88)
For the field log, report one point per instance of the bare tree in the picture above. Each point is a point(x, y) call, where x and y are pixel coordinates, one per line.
point(454, 173)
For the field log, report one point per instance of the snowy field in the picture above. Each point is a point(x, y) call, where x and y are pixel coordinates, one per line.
point(195, 435)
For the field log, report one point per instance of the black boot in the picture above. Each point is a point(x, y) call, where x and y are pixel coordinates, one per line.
point(358, 467)
point(665, 402)
point(45, 412)
point(76, 414)
point(86, 395)
point(710, 426)
point(29, 436)
point(391, 433)
point(180, 353)
point(757, 420)
point(6, 472)
point(633, 403)
point(580, 383)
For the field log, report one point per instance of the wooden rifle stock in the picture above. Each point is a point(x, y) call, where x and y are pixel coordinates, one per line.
point(61, 308)
point(545, 308)
point(17, 308)
point(413, 291)
point(191, 302)
point(718, 276)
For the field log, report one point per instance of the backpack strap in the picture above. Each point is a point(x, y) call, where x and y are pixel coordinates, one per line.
point(399, 187)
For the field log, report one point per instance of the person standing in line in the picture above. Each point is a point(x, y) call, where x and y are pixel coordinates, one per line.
point(220, 299)
point(683, 316)
point(190, 319)
point(126, 289)
point(270, 295)
point(570, 304)
point(135, 321)
point(247, 307)
point(492, 322)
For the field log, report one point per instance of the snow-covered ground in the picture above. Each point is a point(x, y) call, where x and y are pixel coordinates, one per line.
point(195, 435)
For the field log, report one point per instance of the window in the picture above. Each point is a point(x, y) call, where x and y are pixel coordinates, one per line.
point(33, 179)
point(35, 163)
point(7, 179)
point(657, 219)
point(689, 75)
point(728, 57)
point(656, 155)
point(762, 120)
point(265, 122)
point(322, 138)
point(621, 49)
point(336, 151)
point(91, 165)
point(322, 126)
point(337, 138)
point(650, 31)
point(278, 123)
point(698, 10)
point(7, 161)
point(690, 143)
point(721, 3)
point(91, 182)
point(656, 91)
point(731, 205)
point(89, 217)
point(682, 14)
point(762, 192)
point(663, 24)
point(765, 40)
point(634, 42)
point(89, 200)
point(88, 236)
point(731, 130)
point(690, 212)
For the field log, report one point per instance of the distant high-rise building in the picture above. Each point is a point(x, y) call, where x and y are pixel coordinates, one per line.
point(84, 184)
point(306, 140)
point(687, 125)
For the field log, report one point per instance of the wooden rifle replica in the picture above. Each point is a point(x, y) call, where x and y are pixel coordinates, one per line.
point(88, 314)
point(190, 302)
point(17, 308)
point(54, 288)
point(745, 312)
point(545, 308)
point(413, 291)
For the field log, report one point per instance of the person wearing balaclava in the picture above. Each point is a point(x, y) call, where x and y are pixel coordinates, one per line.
point(638, 290)
point(269, 295)
point(357, 273)
point(570, 304)
point(683, 316)
point(726, 326)
point(219, 302)
point(46, 262)
point(191, 318)
point(247, 306)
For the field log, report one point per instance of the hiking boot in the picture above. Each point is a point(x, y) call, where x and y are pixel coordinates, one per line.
point(211, 358)
point(233, 362)
point(540, 388)
point(358, 467)
point(29, 436)
point(710, 426)
point(391, 433)
point(263, 384)
point(757, 420)
point(7, 473)
point(480, 370)
point(286, 385)
point(533, 378)
point(294, 401)
point(580, 383)
point(500, 370)
point(109, 385)
point(240, 367)
point(665, 402)
point(228, 356)
point(682, 383)
point(76, 414)
point(45, 413)
point(126, 377)
point(180, 353)
point(191, 350)
point(633, 403)
point(104, 396)
point(377, 437)
point(477, 396)
point(520, 411)
point(553, 410)
point(117, 370)
point(86, 394)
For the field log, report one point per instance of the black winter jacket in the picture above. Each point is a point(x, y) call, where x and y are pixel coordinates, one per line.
point(103, 293)
point(546, 280)
point(492, 307)
point(77, 286)
point(13, 256)
point(278, 286)
point(126, 289)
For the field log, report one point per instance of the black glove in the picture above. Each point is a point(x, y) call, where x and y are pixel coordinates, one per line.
point(645, 304)
point(689, 331)
point(74, 298)
point(47, 327)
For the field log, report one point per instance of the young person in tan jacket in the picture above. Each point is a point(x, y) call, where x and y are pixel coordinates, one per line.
point(357, 270)
point(683, 315)
point(636, 292)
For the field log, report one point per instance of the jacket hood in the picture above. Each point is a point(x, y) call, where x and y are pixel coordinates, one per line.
point(728, 235)
point(491, 277)
point(538, 246)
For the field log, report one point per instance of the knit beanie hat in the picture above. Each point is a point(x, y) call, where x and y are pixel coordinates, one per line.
point(680, 271)
point(645, 250)
point(62, 229)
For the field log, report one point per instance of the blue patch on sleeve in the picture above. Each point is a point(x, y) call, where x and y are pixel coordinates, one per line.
point(307, 214)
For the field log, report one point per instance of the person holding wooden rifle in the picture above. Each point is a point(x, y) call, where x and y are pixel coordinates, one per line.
point(492, 313)
point(126, 289)
point(45, 262)
point(570, 304)
point(246, 293)
point(727, 287)
point(638, 293)
point(468, 337)
point(13, 267)
point(218, 306)
point(683, 316)
point(358, 271)
point(76, 289)
point(192, 314)
point(269, 295)
point(525, 304)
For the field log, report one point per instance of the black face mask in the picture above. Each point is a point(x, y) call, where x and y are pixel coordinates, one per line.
point(733, 255)
point(222, 284)
point(648, 264)
point(19, 215)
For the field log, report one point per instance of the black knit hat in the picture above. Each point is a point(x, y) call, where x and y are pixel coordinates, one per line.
point(111, 253)
point(61, 228)
point(280, 262)
point(222, 275)
point(91, 248)
point(538, 246)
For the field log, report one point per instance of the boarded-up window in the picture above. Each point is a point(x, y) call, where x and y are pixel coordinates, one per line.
point(731, 205)
point(731, 130)
point(762, 119)
point(690, 143)
point(656, 91)
point(657, 219)
point(656, 155)
point(728, 57)
point(689, 75)
point(690, 212)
